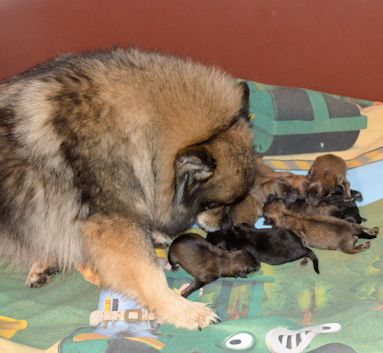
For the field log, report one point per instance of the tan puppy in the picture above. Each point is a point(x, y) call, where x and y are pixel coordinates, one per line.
point(322, 232)
point(267, 183)
point(299, 183)
point(325, 175)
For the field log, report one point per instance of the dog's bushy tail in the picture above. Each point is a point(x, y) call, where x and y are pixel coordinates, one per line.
point(311, 255)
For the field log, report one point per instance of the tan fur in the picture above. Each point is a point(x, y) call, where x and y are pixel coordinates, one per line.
point(322, 232)
point(326, 173)
point(267, 182)
point(109, 240)
point(100, 134)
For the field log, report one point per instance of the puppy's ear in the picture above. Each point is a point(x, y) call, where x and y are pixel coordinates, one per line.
point(194, 166)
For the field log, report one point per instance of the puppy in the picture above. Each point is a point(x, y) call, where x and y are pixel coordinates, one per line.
point(206, 262)
point(347, 209)
point(267, 184)
point(322, 232)
point(299, 183)
point(103, 154)
point(274, 246)
point(334, 205)
point(324, 208)
point(325, 175)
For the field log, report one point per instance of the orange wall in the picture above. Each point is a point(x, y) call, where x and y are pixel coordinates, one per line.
point(334, 46)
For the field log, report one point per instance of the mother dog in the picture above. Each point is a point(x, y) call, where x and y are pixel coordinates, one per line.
point(103, 152)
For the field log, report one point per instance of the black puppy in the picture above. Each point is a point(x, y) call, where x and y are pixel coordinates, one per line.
point(206, 262)
point(274, 246)
point(348, 210)
point(333, 205)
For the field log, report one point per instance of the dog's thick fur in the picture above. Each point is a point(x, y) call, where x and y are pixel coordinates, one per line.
point(100, 151)
point(274, 246)
point(317, 231)
point(206, 262)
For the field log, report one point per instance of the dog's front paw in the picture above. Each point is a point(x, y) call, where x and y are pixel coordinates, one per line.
point(187, 314)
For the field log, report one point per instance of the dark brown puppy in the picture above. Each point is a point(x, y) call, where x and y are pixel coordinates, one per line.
point(206, 262)
point(325, 175)
point(102, 154)
point(322, 232)
point(274, 246)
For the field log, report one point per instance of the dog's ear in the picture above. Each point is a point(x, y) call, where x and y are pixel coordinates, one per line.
point(193, 166)
point(245, 98)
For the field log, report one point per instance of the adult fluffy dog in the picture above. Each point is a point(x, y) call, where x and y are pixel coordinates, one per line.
point(102, 152)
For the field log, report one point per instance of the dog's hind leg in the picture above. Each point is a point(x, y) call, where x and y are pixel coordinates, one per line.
point(364, 232)
point(372, 232)
point(123, 255)
point(41, 273)
point(365, 235)
point(350, 248)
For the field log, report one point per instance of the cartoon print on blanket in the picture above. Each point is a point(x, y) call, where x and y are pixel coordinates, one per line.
point(230, 336)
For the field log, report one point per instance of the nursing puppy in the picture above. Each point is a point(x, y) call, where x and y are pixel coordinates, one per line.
point(274, 246)
point(317, 231)
point(325, 175)
point(267, 184)
point(206, 262)
point(102, 154)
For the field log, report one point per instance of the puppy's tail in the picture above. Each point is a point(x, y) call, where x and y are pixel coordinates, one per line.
point(314, 259)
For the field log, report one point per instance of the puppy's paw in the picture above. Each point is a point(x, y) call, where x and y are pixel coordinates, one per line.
point(187, 314)
point(36, 279)
point(375, 231)
point(366, 245)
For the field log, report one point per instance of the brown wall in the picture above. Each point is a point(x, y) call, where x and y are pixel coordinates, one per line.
point(334, 46)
